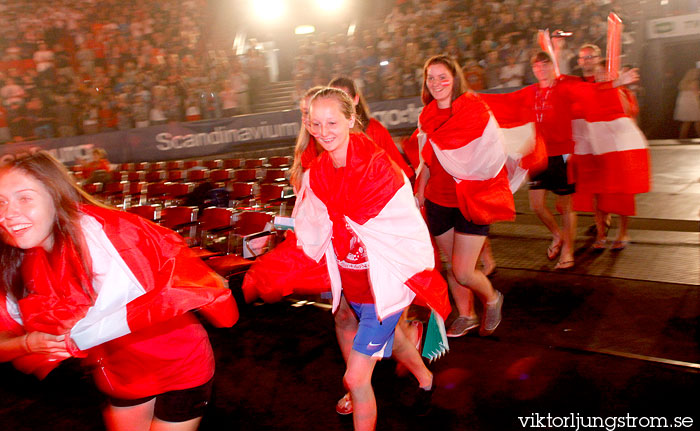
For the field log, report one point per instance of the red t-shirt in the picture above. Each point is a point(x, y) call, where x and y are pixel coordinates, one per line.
point(441, 187)
point(354, 272)
point(168, 356)
point(354, 266)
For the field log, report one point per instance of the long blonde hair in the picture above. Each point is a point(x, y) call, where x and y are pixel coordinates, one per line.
point(303, 138)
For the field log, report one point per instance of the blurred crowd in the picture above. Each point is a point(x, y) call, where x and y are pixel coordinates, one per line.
point(493, 41)
point(87, 66)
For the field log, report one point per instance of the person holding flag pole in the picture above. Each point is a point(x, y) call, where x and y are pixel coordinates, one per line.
point(611, 159)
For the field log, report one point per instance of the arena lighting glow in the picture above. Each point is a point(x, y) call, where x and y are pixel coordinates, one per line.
point(304, 29)
point(330, 5)
point(384, 63)
point(269, 10)
point(351, 29)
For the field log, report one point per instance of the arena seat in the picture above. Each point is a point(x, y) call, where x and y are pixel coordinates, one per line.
point(254, 163)
point(244, 175)
point(279, 161)
point(149, 212)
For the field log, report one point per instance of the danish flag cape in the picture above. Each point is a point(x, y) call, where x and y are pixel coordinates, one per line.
point(377, 202)
point(470, 146)
point(611, 154)
point(143, 274)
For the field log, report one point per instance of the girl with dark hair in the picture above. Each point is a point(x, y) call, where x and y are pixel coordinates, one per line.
point(463, 184)
point(80, 279)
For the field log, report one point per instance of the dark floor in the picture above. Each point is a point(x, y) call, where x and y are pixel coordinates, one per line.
point(568, 345)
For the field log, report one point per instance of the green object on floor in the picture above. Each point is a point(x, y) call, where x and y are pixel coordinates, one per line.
point(435, 338)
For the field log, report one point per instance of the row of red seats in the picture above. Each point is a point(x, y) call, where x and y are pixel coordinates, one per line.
point(235, 163)
point(227, 240)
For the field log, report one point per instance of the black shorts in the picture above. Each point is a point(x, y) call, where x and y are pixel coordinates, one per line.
point(553, 178)
point(175, 406)
point(441, 219)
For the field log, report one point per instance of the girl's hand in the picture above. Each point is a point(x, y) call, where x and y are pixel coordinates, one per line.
point(46, 344)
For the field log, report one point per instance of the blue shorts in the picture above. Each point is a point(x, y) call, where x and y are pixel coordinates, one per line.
point(373, 338)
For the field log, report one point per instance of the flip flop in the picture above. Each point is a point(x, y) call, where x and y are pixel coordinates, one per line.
point(553, 250)
point(564, 264)
point(619, 245)
point(599, 245)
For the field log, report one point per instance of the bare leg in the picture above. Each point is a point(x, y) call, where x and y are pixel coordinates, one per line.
point(358, 380)
point(465, 254)
point(462, 295)
point(600, 223)
point(568, 231)
point(404, 351)
point(622, 235)
point(537, 204)
point(345, 327)
point(487, 261)
point(132, 418)
point(190, 425)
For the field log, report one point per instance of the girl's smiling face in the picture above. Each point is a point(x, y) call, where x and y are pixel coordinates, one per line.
point(440, 82)
point(331, 127)
point(27, 212)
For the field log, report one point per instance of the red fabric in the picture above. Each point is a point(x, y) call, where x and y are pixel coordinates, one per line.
point(482, 202)
point(629, 102)
point(310, 153)
point(283, 271)
point(612, 203)
point(410, 149)
point(369, 181)
point(440, 188)
point(380, 135)
point(182, 281)
point(58, 292)
point(611, 172)
point(141, 363)
point(167, 356)
point(430, 284)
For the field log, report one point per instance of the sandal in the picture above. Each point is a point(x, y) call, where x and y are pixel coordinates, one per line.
point(564, 264)
point(619, 245)
point(344, 405)
point(553, 250)
point(599, 244)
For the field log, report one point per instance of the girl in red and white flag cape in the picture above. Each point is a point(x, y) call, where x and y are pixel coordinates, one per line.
point(83, 280)
point(355, 210)
point(463, 184)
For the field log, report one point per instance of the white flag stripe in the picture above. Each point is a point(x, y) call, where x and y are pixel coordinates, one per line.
point(621, 134)
point(520, 140)
point(481, 159)
point(115, 286)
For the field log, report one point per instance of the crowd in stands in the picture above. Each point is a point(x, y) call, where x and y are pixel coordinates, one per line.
point(87, 66)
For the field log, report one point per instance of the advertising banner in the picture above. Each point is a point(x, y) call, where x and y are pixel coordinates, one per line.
point(205, 138)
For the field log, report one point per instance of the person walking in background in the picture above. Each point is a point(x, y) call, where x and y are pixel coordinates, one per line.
point(687, 109)
point(463, 185)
